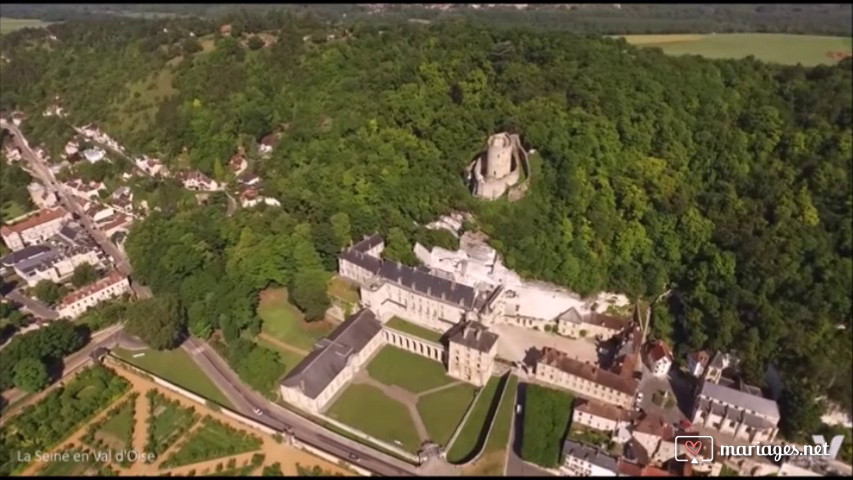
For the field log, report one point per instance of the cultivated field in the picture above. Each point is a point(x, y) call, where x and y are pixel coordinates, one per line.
point(808, 50)
point(8, 25)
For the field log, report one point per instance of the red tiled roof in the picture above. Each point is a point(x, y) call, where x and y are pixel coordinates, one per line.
point(655, 425)
point(562, 361)
point(603, 410)
point(111, 279)
point(608, 321)
point(659, 351)
point(43, 216)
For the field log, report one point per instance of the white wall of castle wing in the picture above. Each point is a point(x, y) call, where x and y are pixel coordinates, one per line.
point(414, 344)
point(547, 374)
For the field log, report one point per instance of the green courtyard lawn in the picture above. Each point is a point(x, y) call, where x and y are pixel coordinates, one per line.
point(405, 326)
point(212, 440)
point(284, 321)
point(177, 367)
point(547, 413)
point(499, 436)
point(442, 411)
point(477, 425)
point(367, 409)
point(344, 290)
point(394, 366)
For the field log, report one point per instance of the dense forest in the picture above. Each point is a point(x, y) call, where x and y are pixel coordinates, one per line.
point(803, 18)
point(726, 181)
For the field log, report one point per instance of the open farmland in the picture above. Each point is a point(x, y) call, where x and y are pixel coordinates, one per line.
point(9, 25)
point(808, 50)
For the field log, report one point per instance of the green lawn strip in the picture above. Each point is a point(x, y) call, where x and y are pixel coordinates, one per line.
point(167, 422)
point(212, 440)
point(395, 366)
point(546, 418)
point(285, 322)
point(177, 367)
point(367, 409)
point(442, 411)
point(499, 436)
point(80, 463)
point(405, 326)
point(477, 425)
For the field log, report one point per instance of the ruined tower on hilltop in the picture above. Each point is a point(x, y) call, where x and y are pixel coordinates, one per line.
point(499, 168)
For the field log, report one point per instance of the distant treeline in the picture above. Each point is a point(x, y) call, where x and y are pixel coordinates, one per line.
point(816, 19)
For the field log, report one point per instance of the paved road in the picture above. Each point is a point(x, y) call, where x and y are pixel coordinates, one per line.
point(276, 416)
point(33, 306)
point(43, 172)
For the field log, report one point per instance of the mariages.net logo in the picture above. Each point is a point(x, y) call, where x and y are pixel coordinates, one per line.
point(700, 449)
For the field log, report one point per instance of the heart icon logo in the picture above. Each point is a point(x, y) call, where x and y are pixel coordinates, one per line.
point(693, 447)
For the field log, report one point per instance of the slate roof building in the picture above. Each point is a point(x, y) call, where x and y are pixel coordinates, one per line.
point(738, 410)
point(581, 460)
point(333, 362)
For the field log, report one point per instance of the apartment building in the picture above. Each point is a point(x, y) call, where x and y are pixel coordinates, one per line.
point(471, 353)
point(35, 229)
point(601, 416)
point(589, 381)
point(76, 303)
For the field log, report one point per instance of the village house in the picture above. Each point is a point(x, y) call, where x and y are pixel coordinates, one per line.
point(198, 181)
point(94, 154)
point(76, 303)
point(238, 163)
point(471, 355)
point(34, 229)
point(248, 179)
point(18, 118)
point(41, 197)
point(150, 166)
point(249, 197)
point(656, 436)
point(600, 416)
point(660, 359)
point(589, 381)
point(72, 147)
point(85, 190)
point(696, 362)
point(92, 132)
point(584, 461)
point(736, 409)
point(13, 153)
point(593, 325)
point(268, 143)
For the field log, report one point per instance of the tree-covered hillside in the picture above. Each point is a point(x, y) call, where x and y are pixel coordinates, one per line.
point(727, 181)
